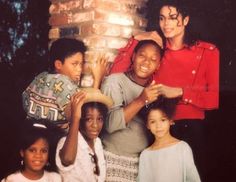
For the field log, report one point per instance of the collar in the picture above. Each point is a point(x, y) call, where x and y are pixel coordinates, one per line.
point(84, 145)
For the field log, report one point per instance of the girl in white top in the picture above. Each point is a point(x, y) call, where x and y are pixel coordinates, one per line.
point(34, 150)
point(79, 155)
point(167, 159)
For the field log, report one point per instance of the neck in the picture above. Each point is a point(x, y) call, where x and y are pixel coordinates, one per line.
point(90, 144)
point(138, 80)
point(176, 43)
point(33, 175)
point(163, 141)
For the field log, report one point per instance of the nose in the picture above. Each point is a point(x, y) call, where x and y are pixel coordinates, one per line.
point(166, 21)
point(38, 154)
point(95, 123)
point(79, 68)
point(158, 124)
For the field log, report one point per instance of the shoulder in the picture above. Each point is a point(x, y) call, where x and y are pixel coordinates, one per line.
point(145, 152)
point(12, 177)
point(206, 45)
point(115, 77)
point(53, 176)
point(185, 146)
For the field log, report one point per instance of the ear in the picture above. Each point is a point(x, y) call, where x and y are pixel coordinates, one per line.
point(172, 122)
point(22, 153)
point(186, 20)
point(57, 64)
point(133, 58)
point(147, 125)
point(158, 65)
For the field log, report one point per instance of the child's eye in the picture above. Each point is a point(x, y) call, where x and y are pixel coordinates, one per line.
point(141, 56)
point(100, 119)
point(44, 150)
point(151, 121)
point(32, 150)
point(88, 119)
point(164, 119)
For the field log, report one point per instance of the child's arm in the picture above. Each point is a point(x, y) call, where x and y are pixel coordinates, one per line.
point(69, 150)
point(148, 96)
point(99, 70)
point(191, 170)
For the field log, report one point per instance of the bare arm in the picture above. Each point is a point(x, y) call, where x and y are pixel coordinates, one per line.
point(149, 94)
point(99, 70)
point(69, 150)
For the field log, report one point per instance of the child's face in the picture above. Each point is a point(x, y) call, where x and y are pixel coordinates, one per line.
point(72, 66)
point(36, 156)
point(93, 123)
point(158, 123)
point(146, 61)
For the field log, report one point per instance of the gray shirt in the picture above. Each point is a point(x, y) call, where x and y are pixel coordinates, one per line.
point(170, 164)
point(121, 138)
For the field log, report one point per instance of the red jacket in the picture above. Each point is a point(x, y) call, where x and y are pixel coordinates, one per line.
point(195, 69)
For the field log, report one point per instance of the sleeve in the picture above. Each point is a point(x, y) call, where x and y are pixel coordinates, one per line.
point(122, 60)
point(143, 174)
point(60, 166)
point(63, 89)
point(113, 89)
point(208, 98)
point(190, 168)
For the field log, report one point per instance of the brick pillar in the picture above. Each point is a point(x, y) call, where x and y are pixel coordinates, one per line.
point(103, 25)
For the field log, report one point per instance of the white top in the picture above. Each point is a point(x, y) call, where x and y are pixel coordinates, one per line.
point(170, 164)
point(47, 177)
point(83, 168)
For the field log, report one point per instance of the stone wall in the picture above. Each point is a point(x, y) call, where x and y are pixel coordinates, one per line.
point(104, 25)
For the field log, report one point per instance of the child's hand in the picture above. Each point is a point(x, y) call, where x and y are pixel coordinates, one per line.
point(77, 101)
point(149, 94)
point(153, 35)
point(99, 69)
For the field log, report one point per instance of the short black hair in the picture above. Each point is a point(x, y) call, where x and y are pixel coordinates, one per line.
point(102, 108)
point(63, 48)
point(145, 42)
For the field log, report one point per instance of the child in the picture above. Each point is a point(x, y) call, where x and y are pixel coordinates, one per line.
point(167, 159)
point(126, 135)
point(49, 93)
point(35, 145)
point(79, 156)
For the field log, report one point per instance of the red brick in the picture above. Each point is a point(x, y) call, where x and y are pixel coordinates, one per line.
point(111, 5)
point(59, 7)
point(82, 16)
point(100, 29)
point(54, 33)
point(89, 4)
point(115, 18)
point(59, 19)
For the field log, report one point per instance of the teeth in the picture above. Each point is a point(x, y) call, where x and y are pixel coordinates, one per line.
point(36, 162)
point(144, 68)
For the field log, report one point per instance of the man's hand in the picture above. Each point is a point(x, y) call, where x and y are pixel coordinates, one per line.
point(153, 35)
point(169, 92)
